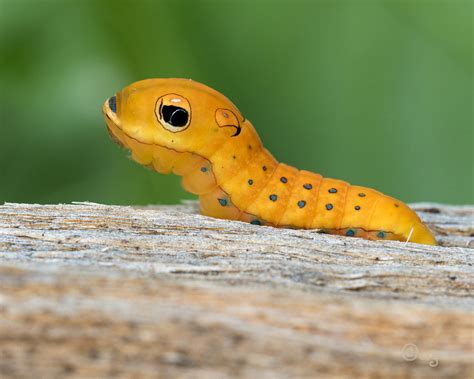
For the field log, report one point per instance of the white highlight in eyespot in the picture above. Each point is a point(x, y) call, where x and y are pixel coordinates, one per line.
point(175, 100)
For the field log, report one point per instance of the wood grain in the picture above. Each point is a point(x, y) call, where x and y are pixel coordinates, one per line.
point(90, 290)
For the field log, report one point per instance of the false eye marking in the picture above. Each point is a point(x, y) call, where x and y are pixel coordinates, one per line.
point(173, 112)
point(225, 118)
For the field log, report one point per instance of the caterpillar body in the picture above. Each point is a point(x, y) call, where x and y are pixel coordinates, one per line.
point(183, 127)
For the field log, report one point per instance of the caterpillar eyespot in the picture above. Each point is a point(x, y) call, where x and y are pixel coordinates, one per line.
point(183, 127)
point(173, 112)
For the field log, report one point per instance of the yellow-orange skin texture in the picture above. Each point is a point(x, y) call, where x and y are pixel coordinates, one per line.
point(235, 177)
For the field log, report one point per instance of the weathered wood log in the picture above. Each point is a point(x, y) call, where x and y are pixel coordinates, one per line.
point(89, 290)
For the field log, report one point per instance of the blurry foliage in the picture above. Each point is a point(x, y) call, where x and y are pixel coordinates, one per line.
point(378, 93)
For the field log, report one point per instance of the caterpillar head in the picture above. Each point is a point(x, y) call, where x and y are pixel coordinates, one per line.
point(179, 114)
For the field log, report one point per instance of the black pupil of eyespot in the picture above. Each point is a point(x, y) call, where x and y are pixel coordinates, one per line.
point(174, 116)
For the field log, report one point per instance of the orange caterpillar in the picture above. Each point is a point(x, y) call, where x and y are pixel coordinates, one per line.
point(191, 130)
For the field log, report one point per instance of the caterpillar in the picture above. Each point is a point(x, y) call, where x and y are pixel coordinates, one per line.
point(186, 128)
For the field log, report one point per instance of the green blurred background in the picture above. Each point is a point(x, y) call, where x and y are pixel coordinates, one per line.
point(378, 93)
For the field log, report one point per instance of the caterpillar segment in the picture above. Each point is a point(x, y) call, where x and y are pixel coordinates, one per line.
point(186, 128)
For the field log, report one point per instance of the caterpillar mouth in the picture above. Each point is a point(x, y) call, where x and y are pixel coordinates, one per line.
point(110, 110)
point(111, 120)
point(117, 133)
point(110, 125)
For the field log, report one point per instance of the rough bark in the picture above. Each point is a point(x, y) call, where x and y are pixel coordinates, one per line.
point(89, 290)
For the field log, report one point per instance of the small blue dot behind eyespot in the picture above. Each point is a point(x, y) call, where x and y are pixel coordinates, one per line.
point(381, 234)
point(204, 169)
point(255, 222)
point(222, 202)
point(350, 233)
